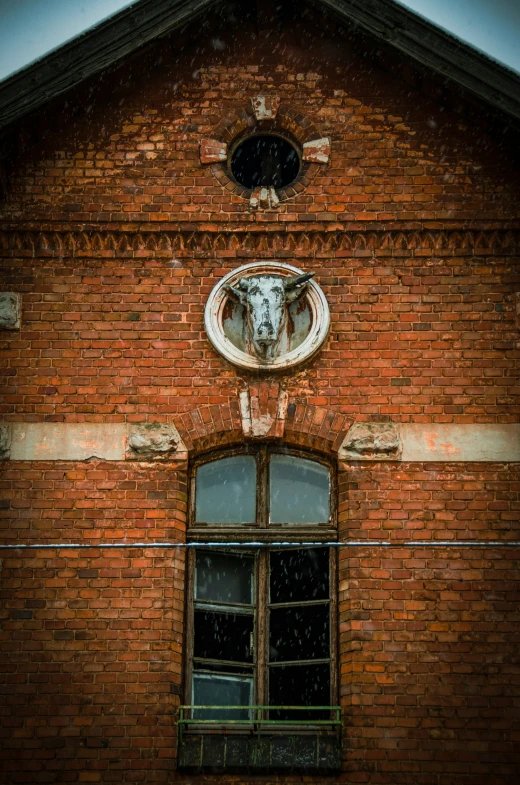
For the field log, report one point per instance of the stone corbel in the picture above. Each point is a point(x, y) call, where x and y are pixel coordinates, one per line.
point(5, 442)
point(263, 409)
point(9, 311)
point(371, 442)
point(154, 442)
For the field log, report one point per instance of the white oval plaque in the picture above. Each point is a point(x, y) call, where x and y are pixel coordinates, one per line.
point(267, 316)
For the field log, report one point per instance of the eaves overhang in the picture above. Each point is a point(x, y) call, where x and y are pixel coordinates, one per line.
point(91, 52)
point(124, 33)
point(434, 48)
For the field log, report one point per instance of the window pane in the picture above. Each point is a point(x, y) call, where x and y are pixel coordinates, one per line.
point(299, 575)
point(299, 685)
point(223, 636)
point(299, 633)
point(209, 690)
point(225, 491)
point(299, 490)
point(222, 577)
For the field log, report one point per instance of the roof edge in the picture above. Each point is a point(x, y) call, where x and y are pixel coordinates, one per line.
point(433, 47)
point(91, 52)
point(138, 24)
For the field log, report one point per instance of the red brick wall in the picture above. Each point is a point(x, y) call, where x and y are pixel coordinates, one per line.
point(115, 234)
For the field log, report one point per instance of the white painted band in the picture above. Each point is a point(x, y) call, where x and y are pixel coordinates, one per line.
point(464, 442)
point(421, 442)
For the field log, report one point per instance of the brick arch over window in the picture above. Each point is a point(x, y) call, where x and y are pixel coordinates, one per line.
point(263, 412)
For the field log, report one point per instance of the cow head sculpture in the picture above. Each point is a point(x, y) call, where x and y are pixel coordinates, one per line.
point(265, 299)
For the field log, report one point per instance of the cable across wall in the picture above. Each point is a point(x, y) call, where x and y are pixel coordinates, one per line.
point(256, 544)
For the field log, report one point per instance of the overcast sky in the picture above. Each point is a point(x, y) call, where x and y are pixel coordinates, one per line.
point(31, 28)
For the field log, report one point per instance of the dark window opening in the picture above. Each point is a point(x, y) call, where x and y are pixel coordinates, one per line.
point(265, 161)
point(281, 597)
point(261, 661)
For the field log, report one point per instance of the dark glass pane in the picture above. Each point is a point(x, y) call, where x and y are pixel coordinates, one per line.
point(299, 633)
point(224, 577)
point(299, 490)
point(225, 491)
point(299, 685)
point(299, 575)
point(265, 161)
point(209, 690)
point(223, 636)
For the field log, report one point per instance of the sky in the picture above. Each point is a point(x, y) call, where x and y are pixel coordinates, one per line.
point(31, 28)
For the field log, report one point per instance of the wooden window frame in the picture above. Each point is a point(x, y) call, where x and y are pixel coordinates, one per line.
point(262, 530)
point(264, 535)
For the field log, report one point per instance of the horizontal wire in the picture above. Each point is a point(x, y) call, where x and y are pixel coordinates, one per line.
point(254, 544)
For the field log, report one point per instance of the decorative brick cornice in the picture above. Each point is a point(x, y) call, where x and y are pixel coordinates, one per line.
point(200, 244)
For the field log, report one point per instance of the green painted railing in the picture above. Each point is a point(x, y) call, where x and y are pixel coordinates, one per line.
point(257, 716)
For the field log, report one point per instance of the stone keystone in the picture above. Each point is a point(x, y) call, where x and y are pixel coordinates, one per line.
point(371, 442)
point(265, 107)
point(5, 442)
point(264, 198)
point(212, 151)
point(317, 151)
point(263, 409)
point(153, 441)
point(9, 311)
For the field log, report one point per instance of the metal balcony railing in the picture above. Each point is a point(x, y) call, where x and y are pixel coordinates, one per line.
point(258, 716)
point(260, 742)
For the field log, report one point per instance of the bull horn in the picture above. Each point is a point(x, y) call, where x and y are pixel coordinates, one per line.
point(296, 280)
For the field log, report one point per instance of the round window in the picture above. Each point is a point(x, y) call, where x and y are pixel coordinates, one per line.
point(265, 160)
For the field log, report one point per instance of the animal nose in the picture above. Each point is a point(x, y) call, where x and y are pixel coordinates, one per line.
point(266, 331)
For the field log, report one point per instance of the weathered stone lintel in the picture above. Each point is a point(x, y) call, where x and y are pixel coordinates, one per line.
point(464, 442)
point(86, 441)
point(263, 416)
point(418, 442)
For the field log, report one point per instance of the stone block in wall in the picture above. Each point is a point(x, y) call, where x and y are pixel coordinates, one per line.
point(153, 441)
point(264, 198)
point(212, 151)
point(9, 311)
point(317, 151)
point(371, 442)
point(263, 409)
point(265, 107)
point(5, 442)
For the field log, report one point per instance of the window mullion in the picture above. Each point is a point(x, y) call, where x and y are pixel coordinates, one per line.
point(261, 628)
point(262, 500)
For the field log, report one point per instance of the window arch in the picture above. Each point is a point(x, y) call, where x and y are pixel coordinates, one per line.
point(266, 492)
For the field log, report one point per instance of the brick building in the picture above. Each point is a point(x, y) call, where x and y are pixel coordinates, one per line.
point(182, 527)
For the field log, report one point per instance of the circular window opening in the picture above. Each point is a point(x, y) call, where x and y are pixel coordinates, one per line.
point(265, 160)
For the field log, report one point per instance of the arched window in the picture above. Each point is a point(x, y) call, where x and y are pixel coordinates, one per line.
point(261, 621)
